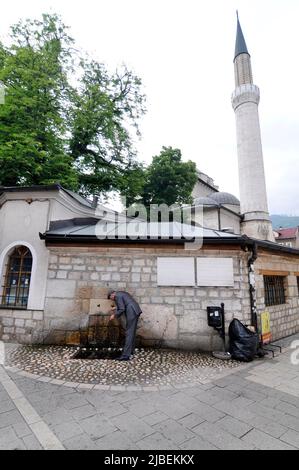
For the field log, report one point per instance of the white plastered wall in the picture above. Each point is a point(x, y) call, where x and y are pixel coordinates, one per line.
point(20, 224)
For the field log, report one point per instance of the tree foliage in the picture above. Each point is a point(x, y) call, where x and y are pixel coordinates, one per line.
point(65, 119)
point(168, 180)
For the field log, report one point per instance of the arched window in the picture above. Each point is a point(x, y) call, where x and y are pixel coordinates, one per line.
point(17, 278)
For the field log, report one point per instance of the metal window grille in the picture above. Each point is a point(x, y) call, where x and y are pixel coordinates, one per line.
point(17, 278)
point(274, 290)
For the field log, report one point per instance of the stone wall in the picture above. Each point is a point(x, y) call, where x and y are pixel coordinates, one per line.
point(79, 279)
point(22, 326)
point(284, 319)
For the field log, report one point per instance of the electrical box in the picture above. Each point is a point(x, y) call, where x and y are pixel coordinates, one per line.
point(214, 316)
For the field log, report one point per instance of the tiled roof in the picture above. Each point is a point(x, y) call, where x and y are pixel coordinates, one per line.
point(287, 233)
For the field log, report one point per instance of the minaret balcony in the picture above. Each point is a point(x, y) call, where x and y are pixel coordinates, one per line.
point(247, 93)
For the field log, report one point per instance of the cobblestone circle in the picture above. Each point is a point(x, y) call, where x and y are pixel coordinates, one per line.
point(149, 367)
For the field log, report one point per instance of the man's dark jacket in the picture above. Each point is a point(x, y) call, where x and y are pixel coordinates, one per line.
point(126, 304)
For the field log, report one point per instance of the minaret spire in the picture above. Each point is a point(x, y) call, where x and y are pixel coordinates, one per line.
point(242, 61)
point(245, 99)
point(240, 47)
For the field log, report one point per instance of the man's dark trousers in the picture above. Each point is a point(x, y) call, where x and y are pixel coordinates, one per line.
point(131, 326)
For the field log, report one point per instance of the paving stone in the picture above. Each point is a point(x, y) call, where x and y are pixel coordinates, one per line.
point(80, 442)
point(6, 405)
point(9, 439)
point(234, 411)
point(43, 407)
point(140, 408)
point(124, 397)
point(171, 408)
point(288, 408)
point(242, 402)
point(207, 412)
point(22, 429)
point(174, 431)
point(191, 420)
point(157, 441)
point(73, 401)
point(206, 386)
point(134, 427)
point(58, 416)
point(208, 397)
point(252, 395)
point(116, 441)
point(192, 391)
point(275, 415)
point(113, 409)
point(84, 411)
point(272, 428)
point(17, 444)
point(291, 437)
point(97, 426)
point(10, 417)
point(224, 394)
point(263, 441)
point(197, 443)
point(270, 402)
point(233, 426)
point(288, 398)
point(8, 433)
point(31, 442)
point(223, 440)
point(65, 431)
point(155, 418)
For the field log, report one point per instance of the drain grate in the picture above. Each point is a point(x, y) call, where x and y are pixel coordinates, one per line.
point(97, 353)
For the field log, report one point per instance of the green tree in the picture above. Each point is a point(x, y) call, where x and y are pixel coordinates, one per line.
point(169, 180)
point(33, 119)
point(106, 108)
point(65, 119)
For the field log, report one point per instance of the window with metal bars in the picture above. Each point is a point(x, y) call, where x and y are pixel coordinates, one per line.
point(274, 290)
point(17, 278)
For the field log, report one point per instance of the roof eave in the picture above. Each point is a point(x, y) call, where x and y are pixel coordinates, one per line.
point(241, 241)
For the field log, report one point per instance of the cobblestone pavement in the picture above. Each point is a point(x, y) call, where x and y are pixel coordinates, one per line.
point(252, 407)
point(149, 368)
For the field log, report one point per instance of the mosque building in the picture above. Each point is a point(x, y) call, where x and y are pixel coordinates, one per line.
point(59, 255)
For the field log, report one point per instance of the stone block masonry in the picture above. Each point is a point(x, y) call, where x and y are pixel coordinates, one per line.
point(23, 326)
point(284, 318)
point(172, 316)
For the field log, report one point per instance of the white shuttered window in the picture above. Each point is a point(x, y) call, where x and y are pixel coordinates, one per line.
point(175, 271)
point(215, 272)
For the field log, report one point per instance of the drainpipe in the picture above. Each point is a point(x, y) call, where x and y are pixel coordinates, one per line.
point(252, 290)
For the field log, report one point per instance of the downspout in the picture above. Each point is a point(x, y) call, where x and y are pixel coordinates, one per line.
point(252, 290)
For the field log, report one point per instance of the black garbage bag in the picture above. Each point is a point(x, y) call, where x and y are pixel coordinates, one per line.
point(243, 343)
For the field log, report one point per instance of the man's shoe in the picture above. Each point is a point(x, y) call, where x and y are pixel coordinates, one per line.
point(122, 358)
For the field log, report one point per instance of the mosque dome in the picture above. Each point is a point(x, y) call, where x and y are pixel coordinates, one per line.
point(224, 198)
point(205, 201)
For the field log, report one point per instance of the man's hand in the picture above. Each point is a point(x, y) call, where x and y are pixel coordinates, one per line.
point(111, 317)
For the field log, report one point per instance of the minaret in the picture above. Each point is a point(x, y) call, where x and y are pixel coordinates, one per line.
point(245, 99)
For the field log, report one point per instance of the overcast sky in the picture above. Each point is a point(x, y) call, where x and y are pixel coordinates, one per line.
point(183, 51)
